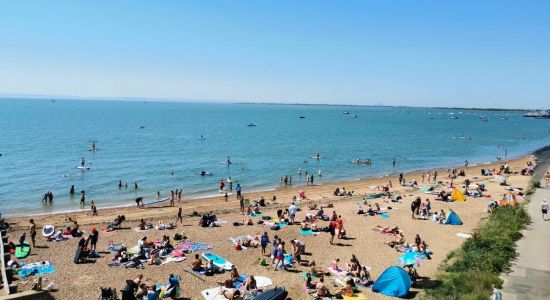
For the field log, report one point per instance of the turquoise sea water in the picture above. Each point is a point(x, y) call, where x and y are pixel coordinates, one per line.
point(42, 141)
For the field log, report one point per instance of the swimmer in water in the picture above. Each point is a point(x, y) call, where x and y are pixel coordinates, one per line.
point(318, 155)
point(203, 173)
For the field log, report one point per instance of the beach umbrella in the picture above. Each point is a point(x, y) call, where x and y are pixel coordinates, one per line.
point(410, 258)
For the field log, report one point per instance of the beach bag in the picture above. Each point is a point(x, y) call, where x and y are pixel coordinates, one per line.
point(263, 262)
point(266, 218)
point(275, 227)
point(236, 224)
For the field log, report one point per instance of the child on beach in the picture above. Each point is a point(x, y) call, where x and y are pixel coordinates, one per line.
point(264, 240)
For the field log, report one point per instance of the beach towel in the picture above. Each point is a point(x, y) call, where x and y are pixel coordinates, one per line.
point(191, 246)
point(384, 215)
point(37, 268)
point(464, 235)
point(253, 214)
point(308, 232)
point(337, 272)
point(170, 259)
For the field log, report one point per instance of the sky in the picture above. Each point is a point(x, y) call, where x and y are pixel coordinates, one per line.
point(388, 52)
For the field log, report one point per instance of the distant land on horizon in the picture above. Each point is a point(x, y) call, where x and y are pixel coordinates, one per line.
point(172, 100)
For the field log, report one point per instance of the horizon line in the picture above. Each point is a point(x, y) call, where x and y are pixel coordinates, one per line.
point(228, 101)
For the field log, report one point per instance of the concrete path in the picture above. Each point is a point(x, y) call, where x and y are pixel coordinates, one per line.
point(530, 276)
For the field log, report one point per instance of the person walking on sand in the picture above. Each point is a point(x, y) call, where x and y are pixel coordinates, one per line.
point(332, 230)
point(172, 196)
point(339, 225)
point(241, 203)
point(180, 216)
point(547, 178)
point(544, 209)
point(32, 232)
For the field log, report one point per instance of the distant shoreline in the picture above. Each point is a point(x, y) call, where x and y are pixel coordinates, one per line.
point(218, 101)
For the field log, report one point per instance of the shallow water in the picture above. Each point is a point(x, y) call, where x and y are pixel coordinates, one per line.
point(41, 143)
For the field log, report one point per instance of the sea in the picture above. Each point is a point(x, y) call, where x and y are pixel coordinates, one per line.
point(158, 145)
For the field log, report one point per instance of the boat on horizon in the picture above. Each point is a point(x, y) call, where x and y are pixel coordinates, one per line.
point(540, 114)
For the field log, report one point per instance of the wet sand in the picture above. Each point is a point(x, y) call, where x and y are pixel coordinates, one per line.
point(83, 281)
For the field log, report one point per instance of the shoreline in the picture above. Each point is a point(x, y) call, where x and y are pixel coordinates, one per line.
point(205, 197)
point(214, 201)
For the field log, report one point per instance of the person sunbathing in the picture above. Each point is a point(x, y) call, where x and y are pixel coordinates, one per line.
point(376, 208)
point(364, 277)
point(234, 274)
point(250, 283)
point(196, 264)
point(322, 290)
point(313, 269)
point(309, 284)
point(142, 225)
point(231, 294)
point(399, 240)
point(312, 206)
point(348, 289)
point(442, 217)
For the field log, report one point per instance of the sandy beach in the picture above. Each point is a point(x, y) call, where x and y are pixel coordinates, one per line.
point(83, 280)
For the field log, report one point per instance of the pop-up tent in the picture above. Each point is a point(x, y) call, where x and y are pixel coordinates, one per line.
point(394, 282)
point(457, 195)
point(452, 218)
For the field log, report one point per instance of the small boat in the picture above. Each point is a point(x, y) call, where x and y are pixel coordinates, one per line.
point(346, 113)
point(251, 125)
point(454, 117)
point(353, 116)
point(542, 114)
point(302, 117)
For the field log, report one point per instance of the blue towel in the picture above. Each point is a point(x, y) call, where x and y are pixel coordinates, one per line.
point(384, 215)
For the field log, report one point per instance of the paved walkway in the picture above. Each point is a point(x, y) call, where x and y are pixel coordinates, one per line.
point(530, 276)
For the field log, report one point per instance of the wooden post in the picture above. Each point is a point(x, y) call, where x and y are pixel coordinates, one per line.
point(3, 268)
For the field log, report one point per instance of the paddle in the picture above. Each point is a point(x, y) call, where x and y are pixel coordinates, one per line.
point(194, 275)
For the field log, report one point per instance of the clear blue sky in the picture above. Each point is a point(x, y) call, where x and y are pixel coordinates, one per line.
point(429, 53)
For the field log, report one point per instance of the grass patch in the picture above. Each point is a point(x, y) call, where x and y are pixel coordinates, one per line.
point(471, 271)
point(532, 187)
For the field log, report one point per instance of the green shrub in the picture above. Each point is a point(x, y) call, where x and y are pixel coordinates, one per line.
point(476, 266)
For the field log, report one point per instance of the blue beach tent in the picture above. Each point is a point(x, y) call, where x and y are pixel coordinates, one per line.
point(394, 282)
point(452, 218)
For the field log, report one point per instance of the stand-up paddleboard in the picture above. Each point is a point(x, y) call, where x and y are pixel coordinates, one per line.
point(22, 251)
point(156, 201)
point(205, 174)
point(219, 262)
point(226, 163)
point(278, 293)
point(83, 168)
point(213, 294)
point(315, 157)
point(48, 230)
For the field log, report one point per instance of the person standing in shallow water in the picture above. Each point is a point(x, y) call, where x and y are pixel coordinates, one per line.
point(83, 198)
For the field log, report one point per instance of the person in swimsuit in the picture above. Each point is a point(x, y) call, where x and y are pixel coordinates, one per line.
point(180, 216)
point(32, 231)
